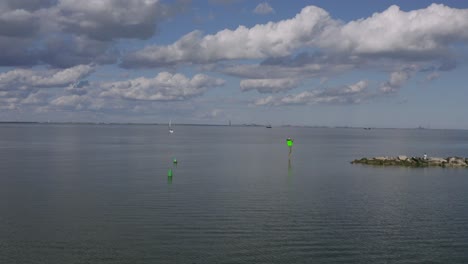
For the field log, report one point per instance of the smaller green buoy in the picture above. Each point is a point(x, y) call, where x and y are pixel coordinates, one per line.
point(169, 173)
point(174, 161)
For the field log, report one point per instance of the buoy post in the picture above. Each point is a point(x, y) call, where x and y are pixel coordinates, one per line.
point(290, 143)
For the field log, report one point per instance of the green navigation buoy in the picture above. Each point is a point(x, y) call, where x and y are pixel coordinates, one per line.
point(174, 161)
point(290, 143)
point(169, 173)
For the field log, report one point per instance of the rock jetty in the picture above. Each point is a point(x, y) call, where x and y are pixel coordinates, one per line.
point(414, 161)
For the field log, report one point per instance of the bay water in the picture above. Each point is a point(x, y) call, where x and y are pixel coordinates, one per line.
point(76, 193)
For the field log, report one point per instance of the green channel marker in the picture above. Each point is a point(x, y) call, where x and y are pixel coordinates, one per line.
point(290, 143)
point(169, 173)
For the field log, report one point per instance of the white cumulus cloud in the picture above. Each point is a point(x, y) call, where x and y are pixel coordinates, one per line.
point(348, 94)
point(109, 19)
point(397, 79)
point(26, 79)
point(269, 85)
point(163, 87)
point(263, 9)
point(396, 32)
point(261, 41)
point(269, 100)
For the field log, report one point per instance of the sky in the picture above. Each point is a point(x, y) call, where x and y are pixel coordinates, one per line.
point(363, 63)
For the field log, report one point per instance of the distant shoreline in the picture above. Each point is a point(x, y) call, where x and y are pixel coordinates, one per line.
point(223, 125)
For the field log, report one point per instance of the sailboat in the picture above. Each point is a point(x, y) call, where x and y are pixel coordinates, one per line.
point(170, 128)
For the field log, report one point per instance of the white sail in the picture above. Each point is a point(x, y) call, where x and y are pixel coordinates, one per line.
point(170, 127)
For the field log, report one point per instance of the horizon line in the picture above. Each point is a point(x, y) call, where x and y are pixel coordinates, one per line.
point(204, 124)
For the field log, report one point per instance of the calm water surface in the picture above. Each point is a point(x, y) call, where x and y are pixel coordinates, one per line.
point(100, 194)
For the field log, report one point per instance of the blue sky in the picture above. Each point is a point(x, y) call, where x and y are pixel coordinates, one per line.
point(399, 64)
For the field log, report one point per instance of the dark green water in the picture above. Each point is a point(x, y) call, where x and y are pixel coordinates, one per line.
point(100, 194)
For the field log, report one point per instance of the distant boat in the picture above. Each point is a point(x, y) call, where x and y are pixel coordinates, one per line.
point(170, 128)
point(268, 126)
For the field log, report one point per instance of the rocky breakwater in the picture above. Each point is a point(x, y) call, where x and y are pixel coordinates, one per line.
point(414, 161)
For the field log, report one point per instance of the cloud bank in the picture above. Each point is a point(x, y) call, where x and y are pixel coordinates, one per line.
point(58, 44)
point(69, 89)
point(65, 33)
point(420, 34)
